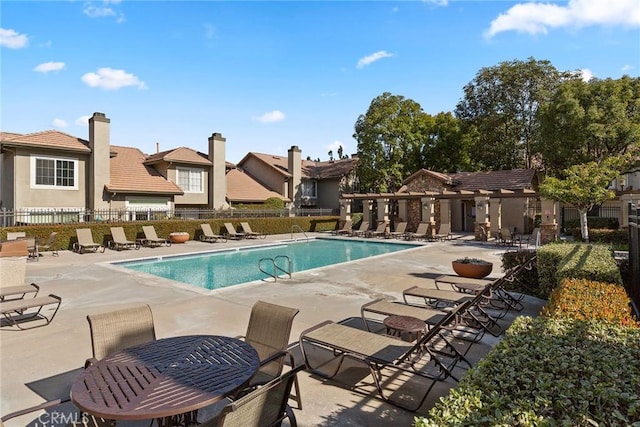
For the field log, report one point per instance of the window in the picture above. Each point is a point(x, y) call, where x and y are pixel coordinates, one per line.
point(190, 180)
point(54, 173)
point(308, 188)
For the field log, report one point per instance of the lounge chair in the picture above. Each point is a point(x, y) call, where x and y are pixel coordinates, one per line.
point(49, 244)
point(151, 237)
point(506, 237)
point(530, 239)
point(209, 236)
point(249, 233)
point(119, 329)
point(269, 332)
point(14, 248)
point(444, 232)
point(25, 313)
point(12, 278)
point(85, 242)
point(346, 228)
point(485, 235)
point(422, 232)
point(383, 353)
point(264, 406)
point(120, 240)
point(400, 230)
point(379, 231)
point(232, 233)
point(15, 235)
point(361, 230)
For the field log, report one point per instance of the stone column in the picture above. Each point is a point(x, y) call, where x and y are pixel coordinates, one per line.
point(367, 211)
point(345, 209)
point(549, 225)
point(403, 209)
point(482, 215)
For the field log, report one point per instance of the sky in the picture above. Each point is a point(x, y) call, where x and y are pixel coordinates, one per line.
point(269, 75)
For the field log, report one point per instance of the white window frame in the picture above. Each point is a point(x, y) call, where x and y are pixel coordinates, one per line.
point(76, 166)
point(191, 173)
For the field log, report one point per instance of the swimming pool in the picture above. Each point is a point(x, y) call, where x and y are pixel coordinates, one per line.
point(220, 269)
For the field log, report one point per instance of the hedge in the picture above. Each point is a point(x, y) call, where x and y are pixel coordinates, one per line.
point(586, 261)
point(102, 231)
point(549, 257)
point(549, 372)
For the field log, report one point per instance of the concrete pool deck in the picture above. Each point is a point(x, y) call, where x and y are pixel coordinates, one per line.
point(36, 364)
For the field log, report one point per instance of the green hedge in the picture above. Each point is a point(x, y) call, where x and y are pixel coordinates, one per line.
point(527, 282)
point(592, 262)
point(549, 372)
point(102, 231)
point(549, 256)
point(593, 222)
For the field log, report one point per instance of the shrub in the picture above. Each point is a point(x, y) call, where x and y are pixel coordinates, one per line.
point(593, 262)
point(549, 372)
point(549, 256)
point(594, 222)
point(274, 203)
point(586, 300)
point(527, 282)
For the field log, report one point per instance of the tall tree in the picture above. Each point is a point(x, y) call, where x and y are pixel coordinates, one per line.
point(585, 185)
point(446, 147)
point(500, 106)
point(589, 121)
point(387, 133)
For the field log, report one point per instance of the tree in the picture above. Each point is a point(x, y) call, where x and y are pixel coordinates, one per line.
point(446, 148)
point(589, 121)
point(585, 186)
point(500, 106)
point(386, 134)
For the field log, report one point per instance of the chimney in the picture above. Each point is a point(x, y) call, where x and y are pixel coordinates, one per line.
point(157, 147)
point(294, 167)
point(217, 174)
point(99, 163)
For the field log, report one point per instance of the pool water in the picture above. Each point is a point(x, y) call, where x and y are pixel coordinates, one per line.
point(214, 270)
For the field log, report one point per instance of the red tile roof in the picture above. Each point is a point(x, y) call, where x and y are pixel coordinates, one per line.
point(179, 155)
point(52, 139)
point(310, 169)
point(243, 188)
point(514, 179)
point(129, 174)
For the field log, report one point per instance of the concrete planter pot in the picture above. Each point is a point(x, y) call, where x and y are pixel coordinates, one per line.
point(180, 237)
point(473, 270)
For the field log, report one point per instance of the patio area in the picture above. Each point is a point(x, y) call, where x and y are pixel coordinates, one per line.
point(38, 364)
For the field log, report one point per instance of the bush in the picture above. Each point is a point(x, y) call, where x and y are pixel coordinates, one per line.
point(528, 282)
point(549, 256)
point(594, 222)
point(582, 299)
point(274, 203)
point(593, 262)
point(549, 372)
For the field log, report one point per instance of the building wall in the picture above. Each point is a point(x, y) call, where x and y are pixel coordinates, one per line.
point(7, 190)
point(513, 214)
point(28, 197)
point(266, 175)
point(328, 192)
point(190, 198)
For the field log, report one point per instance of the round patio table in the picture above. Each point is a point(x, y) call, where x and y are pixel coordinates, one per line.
point(165, 378)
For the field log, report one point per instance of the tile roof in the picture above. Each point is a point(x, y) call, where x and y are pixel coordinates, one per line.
point(179, 155)
point(310, 169)
point(129, 174)
point(243, 188)
point(514, 179)
point(52, 139)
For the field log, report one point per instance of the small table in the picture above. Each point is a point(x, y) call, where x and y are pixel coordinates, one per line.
point(398, 325)
point(165, 378)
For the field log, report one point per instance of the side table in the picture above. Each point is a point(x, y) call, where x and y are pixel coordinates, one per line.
point(407, 325)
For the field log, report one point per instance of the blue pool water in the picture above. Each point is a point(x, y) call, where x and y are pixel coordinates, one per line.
point(214, 270)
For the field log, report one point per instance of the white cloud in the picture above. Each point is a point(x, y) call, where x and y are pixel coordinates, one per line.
point(83, 121)
point(110, 79)
point(209, 31)
point(47, 67)
point(271, 117)
point(437, 2)
point(59, 123)
point(103, 9)
point(539, 18)
point(586, 74)
point(12, 39)
point(334, 147)
point(627, 67)
point(373, 58)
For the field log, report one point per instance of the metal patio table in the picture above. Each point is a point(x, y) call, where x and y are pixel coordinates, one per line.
point(165, 378)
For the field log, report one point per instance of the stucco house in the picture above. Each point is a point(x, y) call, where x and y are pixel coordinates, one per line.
point(51, 171)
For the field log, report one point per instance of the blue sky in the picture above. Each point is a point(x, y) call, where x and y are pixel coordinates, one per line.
point(269, 75)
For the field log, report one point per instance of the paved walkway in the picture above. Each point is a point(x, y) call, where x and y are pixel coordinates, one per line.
point(35, 364)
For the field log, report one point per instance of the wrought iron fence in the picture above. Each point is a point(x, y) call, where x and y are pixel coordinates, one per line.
point(569, 213)
point(10, 218)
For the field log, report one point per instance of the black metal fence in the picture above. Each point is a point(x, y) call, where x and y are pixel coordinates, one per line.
point(634, 253)
point(9, 218)
point(568, 213)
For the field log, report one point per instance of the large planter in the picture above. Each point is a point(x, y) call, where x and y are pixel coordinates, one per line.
point(179, 237)
point(473, 270)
